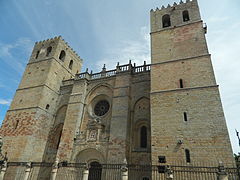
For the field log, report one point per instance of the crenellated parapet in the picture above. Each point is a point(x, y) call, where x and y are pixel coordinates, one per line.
point(181, 3)
point(178, 14)
point(57, 39)
point(57, 49)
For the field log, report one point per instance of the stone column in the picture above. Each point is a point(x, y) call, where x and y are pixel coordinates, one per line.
point(3, 170)
point(85, 172)
point(169, 173)
point(124, 171)
point(119, 136)
point(74, 115)
point(54, 169)
point(28, 170)
point(222, 174)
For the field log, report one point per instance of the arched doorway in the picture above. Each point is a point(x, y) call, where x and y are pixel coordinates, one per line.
point(95, 171)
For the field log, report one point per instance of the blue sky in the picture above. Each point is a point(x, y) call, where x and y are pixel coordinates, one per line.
point(108, 31)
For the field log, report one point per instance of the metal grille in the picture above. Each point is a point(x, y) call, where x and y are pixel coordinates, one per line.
point(75, 171)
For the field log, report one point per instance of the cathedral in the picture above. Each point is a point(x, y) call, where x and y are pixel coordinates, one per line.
point(168, 111)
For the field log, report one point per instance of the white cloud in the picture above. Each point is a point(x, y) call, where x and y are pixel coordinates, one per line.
point(14, 54)
point(138, 51)
point(5, 101)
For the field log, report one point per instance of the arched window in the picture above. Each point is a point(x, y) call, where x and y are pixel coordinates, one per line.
point(166, 22)
point(143, 137)
point(181, 83)
point(37, 54)
point(187, 154)
point(62, 55)
point(95, 171)
point(185, 15)
point(70, 64)
point(49, 50)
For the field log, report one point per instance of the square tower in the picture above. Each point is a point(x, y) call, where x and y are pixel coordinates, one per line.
point(29, 119)
point(187, 119)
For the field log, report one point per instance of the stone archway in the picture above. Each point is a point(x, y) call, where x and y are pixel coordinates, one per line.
point(90, 155)
point(95, 159)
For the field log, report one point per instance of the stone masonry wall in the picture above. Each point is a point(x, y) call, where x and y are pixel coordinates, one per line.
point(204, 133)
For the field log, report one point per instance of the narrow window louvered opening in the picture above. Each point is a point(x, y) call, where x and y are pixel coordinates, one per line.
point(185, 116)
point(62, 55)
point(49, 50)
point(181, 83)
point(166, 21)
point(37, 54)
point(187, 153)
point(70, 64)
point(185, 16)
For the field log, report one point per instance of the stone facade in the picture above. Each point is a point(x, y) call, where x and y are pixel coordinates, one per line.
point(170, 108)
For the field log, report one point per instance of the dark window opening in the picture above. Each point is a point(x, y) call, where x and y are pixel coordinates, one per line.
point(47, 106)
point(185, 116)
point(62, 55)
point(166, 22)
point(145, 178)
point(187, 153)
point(143, 137)
point(95, 171)
point(181, 83)
point(37, 54)
point(49, 50)
point(59, 138)
point(16, 125)
point(70, 64)
point(185, 16)
point(162, 159)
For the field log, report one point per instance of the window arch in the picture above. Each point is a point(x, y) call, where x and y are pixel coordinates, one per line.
point(49, 50)
point(187, 154)
point(166, 21)
point(70, 64)
point(62, 55)
point(37, 54)
point(143, 137)
point(185, 15)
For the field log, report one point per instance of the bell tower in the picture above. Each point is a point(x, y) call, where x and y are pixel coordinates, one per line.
point(27, 123)
point(187, 119)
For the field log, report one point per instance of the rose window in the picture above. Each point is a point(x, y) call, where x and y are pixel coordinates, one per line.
point(101, 108)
